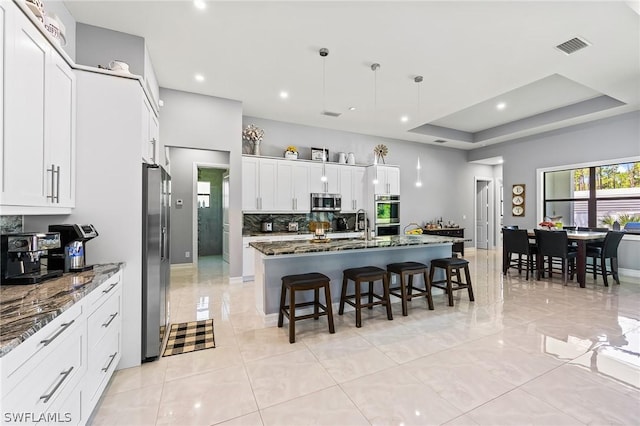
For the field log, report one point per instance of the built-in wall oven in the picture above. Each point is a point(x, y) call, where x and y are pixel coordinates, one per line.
point(387, 215)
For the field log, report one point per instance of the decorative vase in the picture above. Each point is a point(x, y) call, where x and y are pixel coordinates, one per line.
point(256, 148)
point(290, 155)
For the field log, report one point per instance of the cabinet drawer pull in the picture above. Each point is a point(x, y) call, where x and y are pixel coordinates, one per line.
point(111, 287)
point(53, 183)
point(111, 318)
point(64, 375)
point(104, 369)
point(63, 327)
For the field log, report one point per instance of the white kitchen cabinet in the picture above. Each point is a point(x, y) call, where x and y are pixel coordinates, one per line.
point(64, 367)
point(103, 339)
point(352, 185)
point(388, 179)
point(331, 172)
point(149, 138)
point(60, 121)
point(293, 193)
point(260, 182)
point(38, 147)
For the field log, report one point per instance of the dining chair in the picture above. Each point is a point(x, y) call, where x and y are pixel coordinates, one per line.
point(516, 241)
point(609, 250)
point(555, 244)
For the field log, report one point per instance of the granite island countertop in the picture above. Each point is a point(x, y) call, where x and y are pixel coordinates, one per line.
point(307, 246)
point(25, 309)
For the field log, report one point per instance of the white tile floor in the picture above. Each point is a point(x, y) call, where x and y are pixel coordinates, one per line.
point(525, 352)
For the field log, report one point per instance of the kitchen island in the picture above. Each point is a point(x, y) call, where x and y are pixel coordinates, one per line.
point(276, 259)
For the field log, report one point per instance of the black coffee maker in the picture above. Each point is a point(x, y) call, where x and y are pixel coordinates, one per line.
point(70, 257)
point(20, 257)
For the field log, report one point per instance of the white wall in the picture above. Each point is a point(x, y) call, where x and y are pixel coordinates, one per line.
point(182, 163)
point(608, 139)
point(69, 22)
point(189, 120)
point(447, 178)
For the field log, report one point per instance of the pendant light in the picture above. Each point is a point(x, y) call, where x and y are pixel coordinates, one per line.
point(324, 52)
point(418, 79)
point(374, 67)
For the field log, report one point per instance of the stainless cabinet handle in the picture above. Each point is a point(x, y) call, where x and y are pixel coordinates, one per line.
point(111, 287)
point(58, 184)
point(111, 318)
point(53, 183)
point(63, 327)
point(104, 369)
point(64, 375)
point(153, 156)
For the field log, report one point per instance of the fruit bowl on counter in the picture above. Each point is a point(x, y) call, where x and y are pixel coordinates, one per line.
point(417, 230)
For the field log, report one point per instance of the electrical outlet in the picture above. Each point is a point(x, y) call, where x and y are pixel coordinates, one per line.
point(187, 254)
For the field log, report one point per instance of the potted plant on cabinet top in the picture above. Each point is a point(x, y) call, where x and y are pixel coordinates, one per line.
point(291, 153)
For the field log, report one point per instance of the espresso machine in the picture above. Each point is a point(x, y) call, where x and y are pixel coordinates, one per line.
point(70, 257)
point(21, 253)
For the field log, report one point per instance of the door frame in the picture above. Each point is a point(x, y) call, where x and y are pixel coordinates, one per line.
point(491, 214)
point(194, 204)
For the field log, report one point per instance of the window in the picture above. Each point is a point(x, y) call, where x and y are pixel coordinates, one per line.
point(204, 194)
point(595, 196)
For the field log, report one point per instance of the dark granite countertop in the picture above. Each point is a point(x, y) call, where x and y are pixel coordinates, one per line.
point(302, 246)
point(25, 309)
point(279, 233)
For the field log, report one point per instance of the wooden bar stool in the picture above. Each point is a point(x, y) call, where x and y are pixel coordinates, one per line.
point(409, 269)
point(452, 265)
point(368, 274)
point(304, 282)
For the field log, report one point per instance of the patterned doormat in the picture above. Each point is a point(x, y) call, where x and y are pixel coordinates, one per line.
point(189, 337)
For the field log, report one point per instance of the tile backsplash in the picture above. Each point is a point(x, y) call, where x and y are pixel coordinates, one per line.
point(10, 224)
point(252, 223)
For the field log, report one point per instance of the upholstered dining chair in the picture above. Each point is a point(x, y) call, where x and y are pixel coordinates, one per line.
point(516, 241)
point(554, 244)
point(609, 250)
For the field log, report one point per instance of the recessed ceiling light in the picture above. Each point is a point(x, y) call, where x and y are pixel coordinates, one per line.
point(284, 95)
point(199, 77)
point(352, 108)
point(501, 106)
point(200, 4)
point(404, 118)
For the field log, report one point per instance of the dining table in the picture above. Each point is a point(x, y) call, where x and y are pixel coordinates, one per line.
point(581, 238)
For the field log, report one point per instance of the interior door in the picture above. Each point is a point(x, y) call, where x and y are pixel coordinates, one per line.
point(225, 218)
point(482, 214)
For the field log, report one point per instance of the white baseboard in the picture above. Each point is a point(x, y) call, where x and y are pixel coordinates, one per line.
point(629, 272)
point(183, 266)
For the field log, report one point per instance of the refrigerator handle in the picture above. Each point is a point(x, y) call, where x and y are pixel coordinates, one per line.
point(162, 243)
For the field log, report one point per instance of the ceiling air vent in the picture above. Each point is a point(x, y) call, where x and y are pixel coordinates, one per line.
point(573, 45)
point(331, 114)
point(439, 141)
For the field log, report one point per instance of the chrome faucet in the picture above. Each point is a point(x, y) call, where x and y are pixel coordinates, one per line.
point(366, 231)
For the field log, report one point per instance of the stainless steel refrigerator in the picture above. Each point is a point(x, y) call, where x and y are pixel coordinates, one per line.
point(156, 259)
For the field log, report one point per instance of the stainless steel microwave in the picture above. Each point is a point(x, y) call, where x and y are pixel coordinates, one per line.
point(323, 202)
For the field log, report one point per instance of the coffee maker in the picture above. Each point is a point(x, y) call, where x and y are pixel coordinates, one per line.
point(70, 257)
point(20, 257)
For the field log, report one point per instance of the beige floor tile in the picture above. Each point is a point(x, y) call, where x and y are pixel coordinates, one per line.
point(150, 373)
point(207, 398)
point(252, 419)
point(133, 407)
point(587, 396)
point(283, 377)
point(519, 408)
point(395, 396)
point(328, 407)
point(351, 358)
point(183, 365)
point(525, 352)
